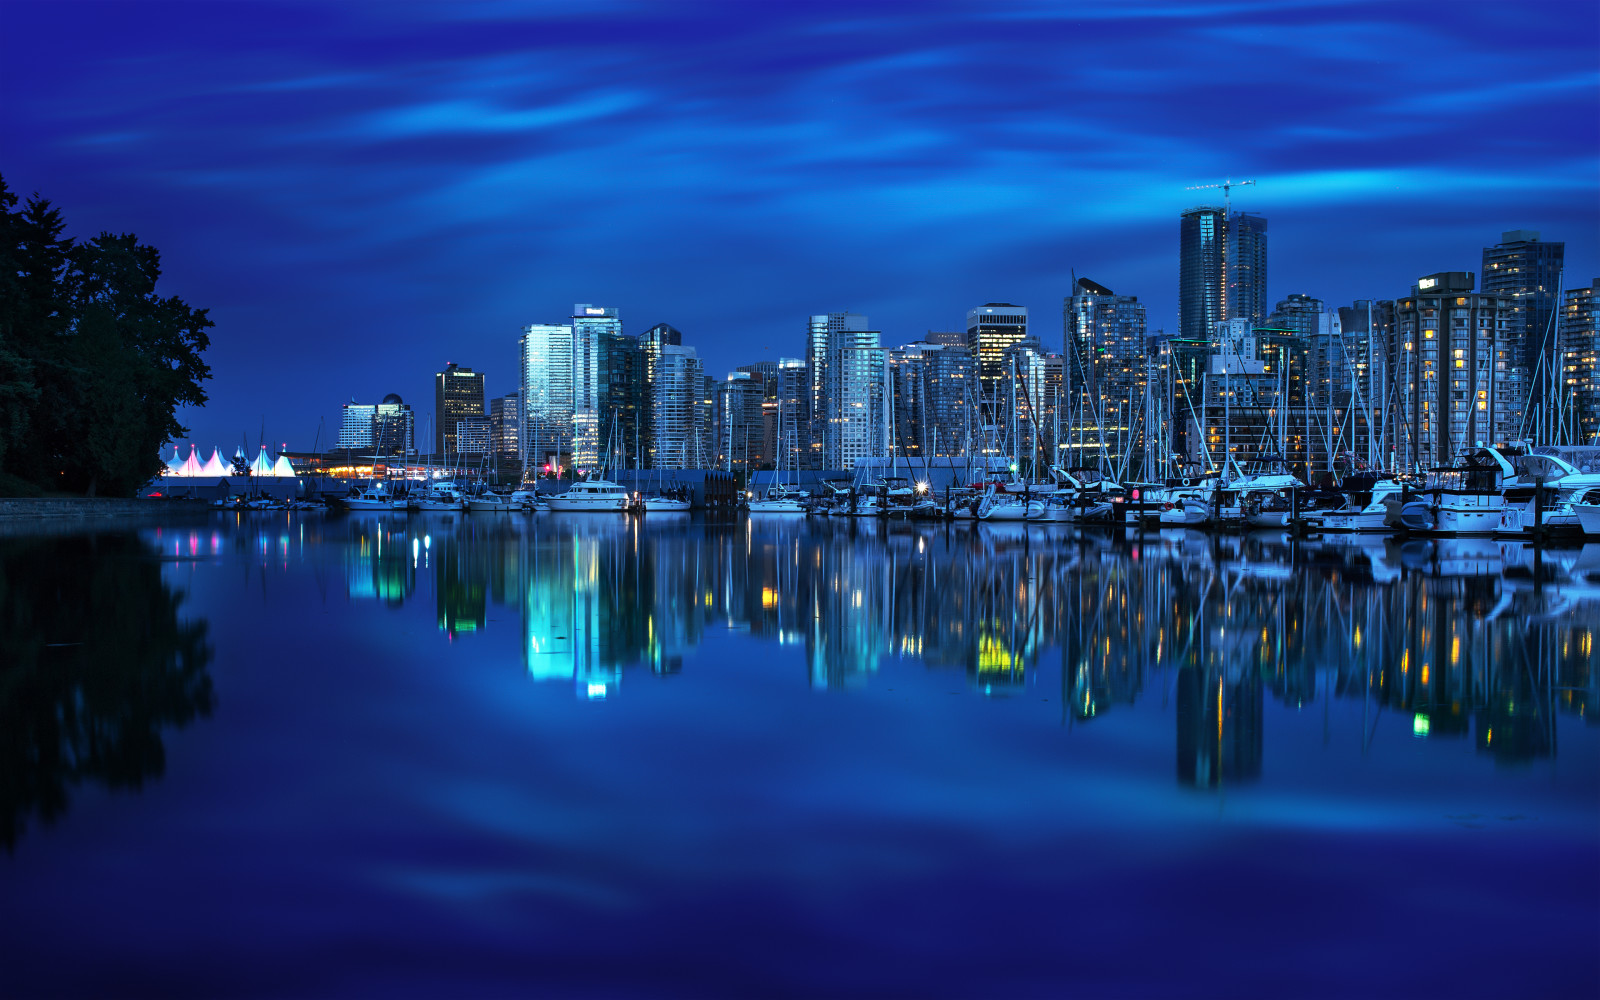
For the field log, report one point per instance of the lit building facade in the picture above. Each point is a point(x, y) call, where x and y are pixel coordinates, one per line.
point(607, 387)
point(819, 333)
point(457, 394)
point(505, 427)
point(854, 398)
point(1580, 339)
point(1453, 371)
point(991, 329)
point(740, 430)
point(1524, 273)
point(1105, 347)
point(546, 369)
point(675, 386)
point(932, 387)
point(1222, 269)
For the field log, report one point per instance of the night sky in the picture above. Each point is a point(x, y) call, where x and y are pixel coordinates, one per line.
point(363, 192)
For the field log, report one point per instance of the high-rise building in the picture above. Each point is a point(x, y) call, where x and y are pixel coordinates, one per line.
point(355, 430)
point(946, 338)
point(1580, 338)
point(386, 428)
point(474, 438)
point(818, 333)
point(740, 431)
point(1104, 350)
point(1324, 377)
point(457, 395)
point(933, 387)
point(1247, 267)
point(651, 343)
point(505, 428)
point(991, 328)
point(675, 387)
point(393, 427)
point(793, 415)
point(607, 387)
point(1367, 327)
point(1451, 365)
point(1524, 272)
point(853, 394)
point(1222, 269)
point(547, 397)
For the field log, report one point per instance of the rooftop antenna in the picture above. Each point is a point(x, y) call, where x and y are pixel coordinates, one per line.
point(1226, 186)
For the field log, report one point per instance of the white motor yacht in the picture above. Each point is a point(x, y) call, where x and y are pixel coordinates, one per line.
point(779, 500)
point(591, 495)
point(664, 505)
point(373, 497)
point(442, 495)
point(1364, 508)
point(491, 503)
point(1461, 500)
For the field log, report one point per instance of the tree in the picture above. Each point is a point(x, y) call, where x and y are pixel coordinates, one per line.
point(93, 362)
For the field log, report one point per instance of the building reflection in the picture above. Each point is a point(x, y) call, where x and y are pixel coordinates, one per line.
point(1471, 641)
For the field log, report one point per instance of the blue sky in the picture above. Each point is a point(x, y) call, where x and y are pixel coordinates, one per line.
point(361, 193)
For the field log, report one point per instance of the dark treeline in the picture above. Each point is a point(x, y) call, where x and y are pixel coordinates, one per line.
point(93, 363)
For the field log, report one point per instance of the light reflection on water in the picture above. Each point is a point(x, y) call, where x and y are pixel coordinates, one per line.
point(1472, 638)
point(584, 720)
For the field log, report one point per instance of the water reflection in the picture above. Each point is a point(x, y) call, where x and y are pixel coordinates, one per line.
point(1473, 640)
point(95, 662)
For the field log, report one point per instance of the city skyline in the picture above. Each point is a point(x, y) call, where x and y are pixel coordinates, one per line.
point(417, 185)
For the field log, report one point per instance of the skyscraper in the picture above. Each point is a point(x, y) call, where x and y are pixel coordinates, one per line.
point(651, 344)
point(1450, 363)
point(505, 428)
point(740, 431)
point(931, 384)
point(1247, 267)
point(821, 327)
point(991, 328)
point(1580, 338)
point(1525, 274)
point(1104, 350)
point(457, 395)
point(547, 398)
point(675, 386)
point(607, 387)
point(853, 394)
point(1222, 269)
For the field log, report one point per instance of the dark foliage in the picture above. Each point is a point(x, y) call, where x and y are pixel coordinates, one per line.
point(93, 363)
point(94, 663)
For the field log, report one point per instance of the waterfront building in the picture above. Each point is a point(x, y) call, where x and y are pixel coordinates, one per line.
point(946, 338)
point(1222, 269)
point(1105, 349)
point(675, 387)
point(505, 428)
point(1580, 339)
point(457, 395)
point(740, 431)
point(1366, 327)
point(991, 329)
point(474, 438)
point(607, 387)
point(1524, 273)
point(793, 414)
point(546, 371)
point(394, 427)
point(386, 428)
point(355, 429)
point(1455, 375)
point(651, 344)
point(854, 397)
point(819, 333)
point(932, 386)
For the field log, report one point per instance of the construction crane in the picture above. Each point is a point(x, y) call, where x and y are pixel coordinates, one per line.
point(1226, 186)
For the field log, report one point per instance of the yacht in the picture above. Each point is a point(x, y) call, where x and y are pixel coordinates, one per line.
point(662, 504)
point(1557, 474)
point(442, 495)
point(489, 502)
point(591, 495)
point(779, 500)
point(1364, 508)
point(373, 497)
point(1467, 499)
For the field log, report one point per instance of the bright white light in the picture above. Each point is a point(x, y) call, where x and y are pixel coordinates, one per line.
point(597, 691)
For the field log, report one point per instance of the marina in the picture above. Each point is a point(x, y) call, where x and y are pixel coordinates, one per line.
point(722, 742)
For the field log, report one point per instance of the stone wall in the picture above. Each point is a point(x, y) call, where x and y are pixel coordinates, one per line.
point(81, 507)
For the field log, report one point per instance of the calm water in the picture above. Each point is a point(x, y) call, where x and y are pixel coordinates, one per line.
point(578, 755)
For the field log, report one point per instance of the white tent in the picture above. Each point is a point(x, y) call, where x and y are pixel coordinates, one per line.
point(262, 466)
point(191, 465)
point(282, 467)
point(214, 465)
point(175, 464)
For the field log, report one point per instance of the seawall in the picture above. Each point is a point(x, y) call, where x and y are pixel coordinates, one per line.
point(79, 508)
